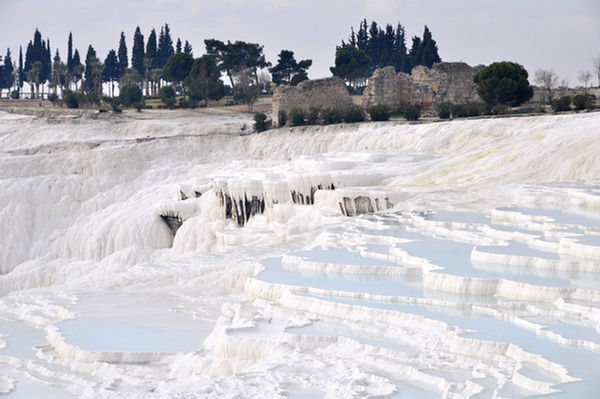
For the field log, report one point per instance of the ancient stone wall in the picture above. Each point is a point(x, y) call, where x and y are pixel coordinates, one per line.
point(321, 93)
point(395, 89)
point(446, 81)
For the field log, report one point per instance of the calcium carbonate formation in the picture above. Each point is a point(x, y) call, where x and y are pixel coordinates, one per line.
point(185, 258)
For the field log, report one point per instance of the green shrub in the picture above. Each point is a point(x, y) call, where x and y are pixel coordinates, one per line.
point(282, 118)
point(71, 100)
point(459, 111)
point(412, 112)
point(53, 98)
point(167, 96)
point(562, 104)
point(313, 115)
point(354, 114)
point(583, 101)
point(90, 98)
point(297, 117)
point(115, 106)
point(260, 122)
point(15, 95)
point(331, 116)
point(473, 109)
point(188, 103)
point(130, 95)
point(499, 109)
point(247, 96)
point(444, 110)
point(379, 112)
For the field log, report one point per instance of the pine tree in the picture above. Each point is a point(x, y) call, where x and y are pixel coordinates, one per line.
point(122, 56)
point(187, 48)
point(178, 46)
point(287, 67)
point(137, 52)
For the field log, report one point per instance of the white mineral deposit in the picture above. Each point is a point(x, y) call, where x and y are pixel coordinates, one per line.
point(157, 257)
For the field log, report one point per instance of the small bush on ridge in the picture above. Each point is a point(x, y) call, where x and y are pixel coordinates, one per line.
point(354, 114)
point(297, 117)
point(379, 112)
point(562, 104)
point(260, 122)
point(331, 116)
point(412, 112)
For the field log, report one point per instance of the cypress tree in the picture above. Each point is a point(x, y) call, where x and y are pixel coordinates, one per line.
point(88, 75)
point(187, 48)
point(137, 52)
point(111, 70)
point(151, 47)
point(373, 45)
point(77, 67)
point(430, 50)
point(362, 38)
point(165, 45)
point(9, 70)
point(122, 56)
point(21, 75)
point(46, 62)
point(3, 80)
point(70, 53)
point(38, 47)
point(387, 46)
point(178, 46)
point(400, 59)
point(416, 52)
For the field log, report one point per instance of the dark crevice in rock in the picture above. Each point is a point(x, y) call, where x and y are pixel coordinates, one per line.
point(173, 221)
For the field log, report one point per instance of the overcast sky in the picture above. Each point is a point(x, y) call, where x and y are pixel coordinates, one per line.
point(559, 34)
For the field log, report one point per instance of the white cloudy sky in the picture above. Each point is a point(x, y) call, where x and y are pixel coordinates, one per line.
point(558, 34)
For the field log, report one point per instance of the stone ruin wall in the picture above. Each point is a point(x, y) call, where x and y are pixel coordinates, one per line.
point(445, 81)
point(321, 93)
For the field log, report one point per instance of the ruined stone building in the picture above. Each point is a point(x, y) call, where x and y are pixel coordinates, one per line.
point(445, 81)
point(320, 93)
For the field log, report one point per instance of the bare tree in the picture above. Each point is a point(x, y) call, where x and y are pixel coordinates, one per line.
point(596, 62)
point(546, 79)
point(584, 77)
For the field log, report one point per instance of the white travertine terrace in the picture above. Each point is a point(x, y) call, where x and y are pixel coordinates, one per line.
point(440, 260)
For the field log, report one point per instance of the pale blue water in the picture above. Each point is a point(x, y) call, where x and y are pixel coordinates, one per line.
point(106, 335)
point(340, 256)
point(580, 363)
point(589, 219)
point(455, 258)
point(274, 272)
point(459, 217)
